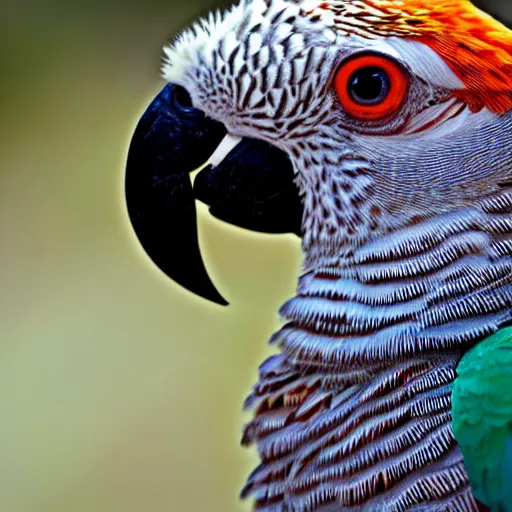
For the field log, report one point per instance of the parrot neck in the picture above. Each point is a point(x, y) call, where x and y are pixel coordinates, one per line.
point(435, 287)
point(356, 409)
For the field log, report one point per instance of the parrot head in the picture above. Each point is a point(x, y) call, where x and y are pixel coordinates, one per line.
point(335, 120)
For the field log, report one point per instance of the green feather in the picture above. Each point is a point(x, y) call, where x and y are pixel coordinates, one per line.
point(482, 418)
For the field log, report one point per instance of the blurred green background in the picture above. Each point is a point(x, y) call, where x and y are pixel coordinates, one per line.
point(119, 392)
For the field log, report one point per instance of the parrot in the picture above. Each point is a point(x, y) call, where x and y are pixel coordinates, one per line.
point(378, 132)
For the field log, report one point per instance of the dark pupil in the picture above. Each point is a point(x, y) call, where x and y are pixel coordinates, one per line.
point(369, 86)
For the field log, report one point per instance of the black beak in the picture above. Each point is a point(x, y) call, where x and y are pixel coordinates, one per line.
point(253, 187)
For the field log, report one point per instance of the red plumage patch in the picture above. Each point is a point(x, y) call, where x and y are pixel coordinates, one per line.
point(475, 46)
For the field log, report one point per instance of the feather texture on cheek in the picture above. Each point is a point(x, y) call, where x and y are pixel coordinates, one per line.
point(444, 167)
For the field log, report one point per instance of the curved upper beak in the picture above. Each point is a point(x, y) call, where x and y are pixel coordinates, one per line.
point(252, 187)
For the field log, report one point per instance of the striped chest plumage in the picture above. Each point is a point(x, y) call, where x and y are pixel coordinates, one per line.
point(355, 411)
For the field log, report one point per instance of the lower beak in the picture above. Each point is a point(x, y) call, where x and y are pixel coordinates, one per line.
point(252, 187)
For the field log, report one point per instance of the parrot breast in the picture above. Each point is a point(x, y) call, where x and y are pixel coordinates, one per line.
point(355, 412)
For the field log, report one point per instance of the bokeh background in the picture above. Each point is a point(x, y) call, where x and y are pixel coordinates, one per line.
point(119, 392)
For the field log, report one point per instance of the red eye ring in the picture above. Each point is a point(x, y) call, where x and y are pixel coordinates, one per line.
point(396, 87)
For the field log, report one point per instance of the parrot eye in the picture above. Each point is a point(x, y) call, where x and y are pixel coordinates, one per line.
point(370, 87)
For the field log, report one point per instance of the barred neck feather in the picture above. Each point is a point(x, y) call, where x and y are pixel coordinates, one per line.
point(355, 412)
